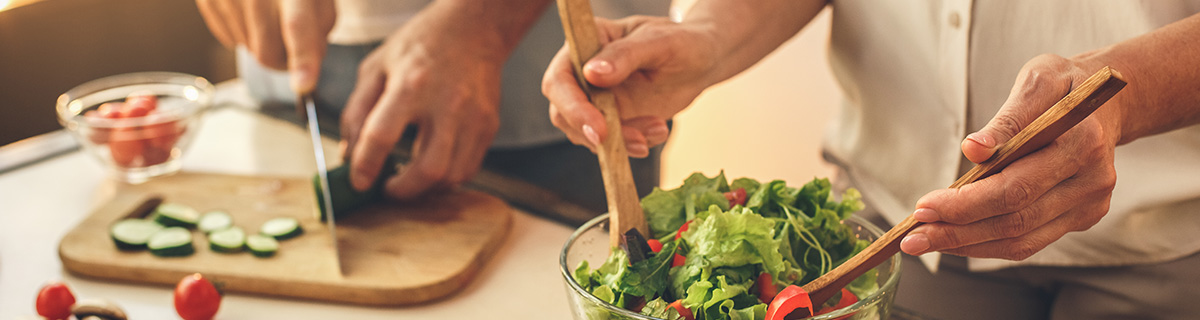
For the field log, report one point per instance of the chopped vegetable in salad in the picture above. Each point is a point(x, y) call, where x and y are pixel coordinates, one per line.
point(725, 250)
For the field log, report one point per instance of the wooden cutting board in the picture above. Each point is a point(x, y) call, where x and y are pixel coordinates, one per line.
point(392, 253)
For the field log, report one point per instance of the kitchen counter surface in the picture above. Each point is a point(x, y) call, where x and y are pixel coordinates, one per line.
point(40, 202)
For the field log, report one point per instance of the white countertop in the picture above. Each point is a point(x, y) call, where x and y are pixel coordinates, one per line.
point(40, 203)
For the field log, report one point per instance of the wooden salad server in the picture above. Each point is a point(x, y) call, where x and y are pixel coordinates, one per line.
point(1072, 109)
point(584, 41)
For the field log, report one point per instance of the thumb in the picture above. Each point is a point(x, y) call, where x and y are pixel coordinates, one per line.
point(622, 57)
point(1038, 87)
point(306, 25)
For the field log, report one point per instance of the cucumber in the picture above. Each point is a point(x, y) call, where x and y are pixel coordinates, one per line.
point(171, 242)
point(261, 245)
point(345, 197)
point(214, 221)
point(281, 228)
point(176, 215)
point(227, 240)
point(132, 234)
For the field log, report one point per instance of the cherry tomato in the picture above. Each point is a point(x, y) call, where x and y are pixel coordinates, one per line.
point(196, 298)
point(102, 134)
point(788, 300)
point(161, 138)
point(54, 301)
point(848, 298)
point(766, 288)
point(683, 311)
point(736, 197)
point(655, 245)
point(148, 100)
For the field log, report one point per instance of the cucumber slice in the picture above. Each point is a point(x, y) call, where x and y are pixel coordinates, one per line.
point(261, 245)
point(215, 221)
point(132, 234)
point(227, 240)
point(176, 215)
point(281, 228)
point(171, 242)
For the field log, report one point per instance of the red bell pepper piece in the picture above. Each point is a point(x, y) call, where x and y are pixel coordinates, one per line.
point(848, 298)
point(788, 300)
point(736, 197)
point(684, 227)
point(655, 245)
point(683, 311)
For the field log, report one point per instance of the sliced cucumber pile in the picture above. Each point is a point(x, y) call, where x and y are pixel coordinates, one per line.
point(176, 215)
point(171, 242)
point(132, 234)
point(262, 245)
point(227, 240)
point(281, 228)
point(167, 232)
point(215, 221)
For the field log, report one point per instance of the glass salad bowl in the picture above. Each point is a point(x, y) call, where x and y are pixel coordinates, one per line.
point(591, 242)
point(136, 124)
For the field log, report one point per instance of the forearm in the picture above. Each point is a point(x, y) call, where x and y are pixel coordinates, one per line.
point(497, 25)
point(1163, 71)
point(743, 33)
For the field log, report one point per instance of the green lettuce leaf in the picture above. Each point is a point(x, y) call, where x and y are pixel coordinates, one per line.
point(648, 278)
point(667, 210)
point(659, 308)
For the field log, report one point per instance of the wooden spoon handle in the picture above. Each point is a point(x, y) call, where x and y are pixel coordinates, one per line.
point(1064, 115)
point(583, 40)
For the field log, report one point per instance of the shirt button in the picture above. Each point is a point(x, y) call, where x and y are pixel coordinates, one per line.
point(955, 20)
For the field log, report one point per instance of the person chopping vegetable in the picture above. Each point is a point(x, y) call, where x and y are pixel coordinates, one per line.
point(465, 73)
point(933, 88)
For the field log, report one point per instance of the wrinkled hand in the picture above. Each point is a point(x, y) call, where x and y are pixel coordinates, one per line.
point(654, 67)
point(438, 76)
point(1061, 188)
point(280, 34)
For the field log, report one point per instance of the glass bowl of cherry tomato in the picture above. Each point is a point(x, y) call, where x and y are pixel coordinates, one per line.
point(591, 243)
point(137, 124)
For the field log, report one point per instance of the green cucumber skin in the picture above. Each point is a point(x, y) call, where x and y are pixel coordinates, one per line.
point(345, 197)
point(295, 233)
point(180, 251)
point(168, 220)
point(124, 245)
point(217, 246)
point(262, 252)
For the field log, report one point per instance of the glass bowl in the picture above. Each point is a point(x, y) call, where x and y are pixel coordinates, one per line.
point(590, 242)
point(136, 124)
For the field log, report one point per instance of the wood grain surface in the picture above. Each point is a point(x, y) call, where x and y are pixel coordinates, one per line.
point(583, 40)
point(393, 253)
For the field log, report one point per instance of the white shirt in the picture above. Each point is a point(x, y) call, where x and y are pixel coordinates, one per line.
point(919, 76)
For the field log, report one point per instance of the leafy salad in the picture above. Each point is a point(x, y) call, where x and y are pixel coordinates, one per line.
point(721, 250)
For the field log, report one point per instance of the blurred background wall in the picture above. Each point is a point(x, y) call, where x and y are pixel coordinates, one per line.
point(765, 123)
point(49, 46)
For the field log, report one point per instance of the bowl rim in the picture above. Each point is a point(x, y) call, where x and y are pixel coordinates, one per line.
point(67, 117)
point(566, 272)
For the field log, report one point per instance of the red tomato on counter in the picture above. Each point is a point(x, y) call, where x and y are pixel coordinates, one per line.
point(54, 301)
point(196, 298)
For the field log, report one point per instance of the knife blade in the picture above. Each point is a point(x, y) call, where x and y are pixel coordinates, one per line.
point(314, 132)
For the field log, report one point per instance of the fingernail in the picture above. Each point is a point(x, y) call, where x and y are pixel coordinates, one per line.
point(638, 149)
point(926, 215)
point(981, 139)
point(600, 66)
point(657, 133)
point(591, 135)
point(915, 243)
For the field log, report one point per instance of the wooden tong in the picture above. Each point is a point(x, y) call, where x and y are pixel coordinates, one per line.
point(584, 41)
point(1072, 109)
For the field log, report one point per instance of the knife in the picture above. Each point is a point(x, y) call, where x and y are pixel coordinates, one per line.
point(314, 132)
